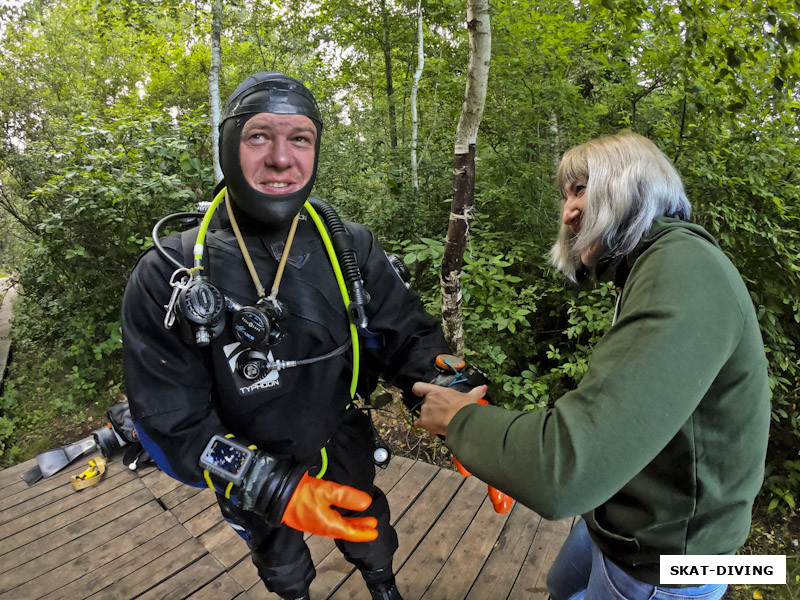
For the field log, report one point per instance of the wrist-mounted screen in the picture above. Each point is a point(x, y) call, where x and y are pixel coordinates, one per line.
point(226, 459)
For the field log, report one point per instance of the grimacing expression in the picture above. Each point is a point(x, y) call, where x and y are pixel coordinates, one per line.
point(572, 216)
point(277, 152)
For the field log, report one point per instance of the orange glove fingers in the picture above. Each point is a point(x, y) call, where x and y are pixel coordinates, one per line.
point(352, 529)
point(362, 522)
point(343, 496)
point(360, 529)
point(502, 502)
point(334, 525)
point(309, 510)
point(456, 462)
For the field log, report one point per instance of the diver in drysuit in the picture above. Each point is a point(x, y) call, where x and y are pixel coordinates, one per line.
point(249, 389)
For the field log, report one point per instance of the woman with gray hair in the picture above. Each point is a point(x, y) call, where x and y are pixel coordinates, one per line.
point(661, 446)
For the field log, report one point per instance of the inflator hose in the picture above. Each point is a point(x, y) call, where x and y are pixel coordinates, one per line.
point(157, 231)
point(345, 251)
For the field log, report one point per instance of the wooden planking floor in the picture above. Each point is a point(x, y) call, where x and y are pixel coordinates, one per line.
point(144, 535)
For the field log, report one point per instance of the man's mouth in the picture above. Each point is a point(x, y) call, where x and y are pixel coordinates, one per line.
point(276, 187)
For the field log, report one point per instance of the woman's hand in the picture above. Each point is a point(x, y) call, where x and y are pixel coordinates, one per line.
point(441, 404)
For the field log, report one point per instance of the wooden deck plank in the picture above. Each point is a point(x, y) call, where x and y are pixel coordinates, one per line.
point(332, 568)
point(180, 494)
point(462, 566)
point(139, 558)
point(160, 483)
point(73, 539)
point(144, 535)
point(500, 571)
point(154, 572)
point(217, 536)
point(189, 580)
point(10, 487)
point(223, 586)
point(194, 505)
point(225, 544)
point(424, 511)
point(428, 558)
point(412, 526)
point(245, 574)
point(95, 560)
point(259, 592)
point(48, 519)
point(531, 583)
point(410, 486)
point(11, 480)
point(47, 561)
point(10, 473)
point(331, 571)
point(387, 478)
point(57, 490)
point(203, 521)
point(46, 491)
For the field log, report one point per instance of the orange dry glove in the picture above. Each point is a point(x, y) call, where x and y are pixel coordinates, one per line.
point(310, 510)
point(502, 502)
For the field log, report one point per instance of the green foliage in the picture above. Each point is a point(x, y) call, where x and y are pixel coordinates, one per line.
point(117, 178)
point(101, 136)
point(505, 298)
point(783, 486)
point(41, 408)
point(9, 422)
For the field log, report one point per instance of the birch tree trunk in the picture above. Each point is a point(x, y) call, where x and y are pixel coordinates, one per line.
point(414, 89)
point(213, 84)
point(480, 46)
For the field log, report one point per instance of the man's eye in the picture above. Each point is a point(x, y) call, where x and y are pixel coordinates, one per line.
point(255, 138)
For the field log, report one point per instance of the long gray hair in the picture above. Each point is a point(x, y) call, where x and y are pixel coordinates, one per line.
point(630, 182)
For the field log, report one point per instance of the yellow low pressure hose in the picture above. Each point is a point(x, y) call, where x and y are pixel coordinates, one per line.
point(201, 233)
point(326, 240)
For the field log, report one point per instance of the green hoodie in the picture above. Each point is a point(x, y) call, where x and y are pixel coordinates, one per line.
point(661, 447)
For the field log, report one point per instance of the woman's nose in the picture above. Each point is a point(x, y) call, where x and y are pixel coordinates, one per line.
point(570, 211)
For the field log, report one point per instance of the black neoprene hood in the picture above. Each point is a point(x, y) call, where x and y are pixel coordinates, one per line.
point(274, 93)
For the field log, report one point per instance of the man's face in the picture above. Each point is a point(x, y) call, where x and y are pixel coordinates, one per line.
point(277, 152)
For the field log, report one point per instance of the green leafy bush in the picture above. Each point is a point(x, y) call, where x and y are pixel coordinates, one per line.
point(530, 334)
point(95, 212)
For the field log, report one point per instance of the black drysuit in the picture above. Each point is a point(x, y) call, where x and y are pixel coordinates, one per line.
point(181, 394)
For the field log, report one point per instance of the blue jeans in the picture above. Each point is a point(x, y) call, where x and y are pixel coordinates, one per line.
point(582, 572)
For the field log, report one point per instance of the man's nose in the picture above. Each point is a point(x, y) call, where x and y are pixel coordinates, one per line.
point(279, 155)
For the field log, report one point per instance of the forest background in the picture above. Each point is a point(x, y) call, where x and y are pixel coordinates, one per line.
point(105, 129)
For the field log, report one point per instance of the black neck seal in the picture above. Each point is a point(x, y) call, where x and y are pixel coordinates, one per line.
point(264, 93)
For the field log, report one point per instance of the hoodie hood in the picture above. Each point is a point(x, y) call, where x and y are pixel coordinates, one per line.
point(661, 226)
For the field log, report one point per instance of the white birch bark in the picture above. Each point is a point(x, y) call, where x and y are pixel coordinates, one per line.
point(414, 89)
point(480, 45)
point(213, 84)
point(480, 50)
